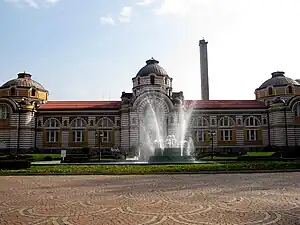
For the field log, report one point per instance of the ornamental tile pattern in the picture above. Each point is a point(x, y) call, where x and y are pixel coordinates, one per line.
point(247, 199)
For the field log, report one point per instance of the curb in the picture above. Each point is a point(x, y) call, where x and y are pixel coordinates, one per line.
point(156, 173)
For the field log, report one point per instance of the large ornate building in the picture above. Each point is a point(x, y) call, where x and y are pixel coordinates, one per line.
point(28, 120)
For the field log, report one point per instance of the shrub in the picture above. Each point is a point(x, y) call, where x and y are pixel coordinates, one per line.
point(86, 151)
point(14, 164)
point(47, 158)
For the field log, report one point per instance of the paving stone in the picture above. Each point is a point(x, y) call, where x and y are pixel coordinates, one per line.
point(238, 199)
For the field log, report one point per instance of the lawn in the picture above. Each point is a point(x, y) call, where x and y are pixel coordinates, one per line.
point(150, 169)
point(41, 157)
point(260, 154)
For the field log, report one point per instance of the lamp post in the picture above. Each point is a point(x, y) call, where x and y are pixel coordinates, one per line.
point(211, 134)
point(99, 136)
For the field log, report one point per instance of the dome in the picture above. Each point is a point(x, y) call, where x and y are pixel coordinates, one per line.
point(23, 80)
point(152, 67)
point(278, 79)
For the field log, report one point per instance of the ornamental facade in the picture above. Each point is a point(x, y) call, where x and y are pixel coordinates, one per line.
point(29, 121)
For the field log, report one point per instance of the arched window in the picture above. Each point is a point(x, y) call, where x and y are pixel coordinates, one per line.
point(152, 79)
point(33, 92)
point(4, 112)
point(199, 127)
point(12, 91)
point(226, 124)
point(270, 91)
point(106, 127)
point(78, 126)
point(139, 80)
point(52, 130)
point(297, 109)
point(252, 125)
point(289, 90)
point(166, 80)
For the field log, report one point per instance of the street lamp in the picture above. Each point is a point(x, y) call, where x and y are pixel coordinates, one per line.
point(99, 136)
point(211, 134)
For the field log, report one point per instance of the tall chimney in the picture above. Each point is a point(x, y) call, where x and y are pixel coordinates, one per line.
point(204, 70)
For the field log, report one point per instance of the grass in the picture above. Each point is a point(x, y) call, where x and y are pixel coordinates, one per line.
point(150, 169)
point(260, 154)
point(40, 157)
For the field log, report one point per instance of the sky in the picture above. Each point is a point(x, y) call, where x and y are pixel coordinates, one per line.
point(91, 49)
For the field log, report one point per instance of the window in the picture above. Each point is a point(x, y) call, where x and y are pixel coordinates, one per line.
point(270, 91)
point(166, 80)
point(78, 136)
point(78, 127)
point(52, 130)
point(290, 90)
point(226, 124)
point(297, 109)
point(4, 112)
point(106, 136)
point(139, 81)
point(200, 122)
point(33, 92)
point(152, 80)
point(105, 123)
point(252, 125)
point(199, 135)
point(52, 136)
point(252, 135)
point(226, 135)
point(12, 91)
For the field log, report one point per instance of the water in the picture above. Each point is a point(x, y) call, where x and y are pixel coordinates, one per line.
point(154, 129)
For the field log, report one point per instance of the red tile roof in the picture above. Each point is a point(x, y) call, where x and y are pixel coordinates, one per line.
point(211, 104)
point(224, 104)
point(59, 105)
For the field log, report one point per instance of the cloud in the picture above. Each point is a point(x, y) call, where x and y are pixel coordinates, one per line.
point(177, 7)
point(31, 3)
point(107, 20)
point(125, 14)
point(52, 1)
point(146, 2)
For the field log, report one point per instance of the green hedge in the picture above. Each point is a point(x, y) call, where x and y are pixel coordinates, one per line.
point(14, 164)
point(150, 169)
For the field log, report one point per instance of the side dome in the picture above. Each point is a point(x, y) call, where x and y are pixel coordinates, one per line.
point(23, 80)
point(278, 79)
point(152, 67)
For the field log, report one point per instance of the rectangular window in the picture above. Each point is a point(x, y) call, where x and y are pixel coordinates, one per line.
point(199, 135)
point(106, 136)
point(252, 135)
point(78, 136)
point(226, 135)
point(52, 136)
point(3, 112)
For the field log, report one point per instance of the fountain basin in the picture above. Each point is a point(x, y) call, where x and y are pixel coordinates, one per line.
point(170, 155)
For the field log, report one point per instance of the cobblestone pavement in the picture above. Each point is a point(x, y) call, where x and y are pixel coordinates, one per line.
point(240, 199)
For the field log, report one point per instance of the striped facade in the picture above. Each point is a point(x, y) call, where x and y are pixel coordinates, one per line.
point(29, 121)
point(26, 129)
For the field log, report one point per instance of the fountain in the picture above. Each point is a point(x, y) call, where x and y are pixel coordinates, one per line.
point(157, 145)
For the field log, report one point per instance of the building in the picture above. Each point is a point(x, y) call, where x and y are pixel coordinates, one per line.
point(29, 121)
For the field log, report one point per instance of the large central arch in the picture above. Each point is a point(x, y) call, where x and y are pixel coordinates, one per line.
point(152, 109)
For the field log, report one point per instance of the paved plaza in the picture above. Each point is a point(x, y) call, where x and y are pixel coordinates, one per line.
point(240, 199)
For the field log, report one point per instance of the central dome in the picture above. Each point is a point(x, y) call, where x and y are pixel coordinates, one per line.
point(152, 67)
point(278, 79)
